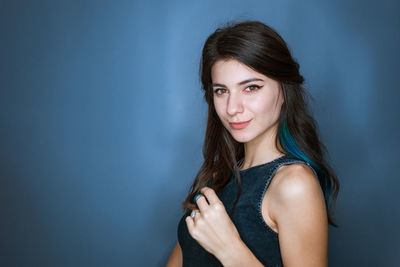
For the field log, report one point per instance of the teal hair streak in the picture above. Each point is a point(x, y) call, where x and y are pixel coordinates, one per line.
point(290, 146)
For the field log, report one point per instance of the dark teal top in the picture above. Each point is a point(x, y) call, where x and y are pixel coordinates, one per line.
point(247, 217)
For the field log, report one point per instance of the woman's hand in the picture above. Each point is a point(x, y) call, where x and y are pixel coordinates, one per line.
point(212, 227)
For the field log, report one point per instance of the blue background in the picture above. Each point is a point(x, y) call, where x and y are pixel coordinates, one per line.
point(102, 122)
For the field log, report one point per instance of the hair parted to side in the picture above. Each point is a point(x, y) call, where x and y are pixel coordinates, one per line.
point(262, 49)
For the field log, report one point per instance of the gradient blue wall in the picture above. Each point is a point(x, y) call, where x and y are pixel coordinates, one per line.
point(102, 122)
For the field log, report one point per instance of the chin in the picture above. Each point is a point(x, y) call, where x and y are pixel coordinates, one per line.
point(241, 138)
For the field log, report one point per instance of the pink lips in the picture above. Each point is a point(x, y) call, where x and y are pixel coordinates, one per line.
point(239, 125)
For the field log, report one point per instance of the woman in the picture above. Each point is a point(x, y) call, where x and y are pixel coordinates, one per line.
point(264, 193)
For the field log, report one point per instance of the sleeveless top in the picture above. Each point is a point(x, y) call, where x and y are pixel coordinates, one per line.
point(253, 230)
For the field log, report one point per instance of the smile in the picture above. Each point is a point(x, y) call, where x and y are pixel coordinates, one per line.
point(239, 125)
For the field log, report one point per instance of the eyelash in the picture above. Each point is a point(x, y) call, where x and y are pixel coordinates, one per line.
point(251, 91)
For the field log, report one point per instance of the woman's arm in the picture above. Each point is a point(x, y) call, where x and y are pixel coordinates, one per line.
point(296, 205)
point(175, 260)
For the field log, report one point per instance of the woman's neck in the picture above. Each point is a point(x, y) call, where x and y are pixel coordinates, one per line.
point(261, 149)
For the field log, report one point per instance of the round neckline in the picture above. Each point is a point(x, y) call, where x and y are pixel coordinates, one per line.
point(260, 165)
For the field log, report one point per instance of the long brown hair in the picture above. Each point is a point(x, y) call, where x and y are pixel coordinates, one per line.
point(262, 49)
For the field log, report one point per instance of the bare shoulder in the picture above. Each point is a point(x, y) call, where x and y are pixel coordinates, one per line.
point(295, 186)
point(294, 181)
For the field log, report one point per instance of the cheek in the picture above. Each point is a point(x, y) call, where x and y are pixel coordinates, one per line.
point(219, 107)
point(261, 105)
point(266, 105)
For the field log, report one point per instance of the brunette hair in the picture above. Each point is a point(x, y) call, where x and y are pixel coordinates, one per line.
point(261, 48)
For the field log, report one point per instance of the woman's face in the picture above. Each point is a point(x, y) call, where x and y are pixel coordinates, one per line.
point(247, 102)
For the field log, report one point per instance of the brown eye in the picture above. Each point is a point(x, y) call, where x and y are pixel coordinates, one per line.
point(219, 91)
point(252, 88)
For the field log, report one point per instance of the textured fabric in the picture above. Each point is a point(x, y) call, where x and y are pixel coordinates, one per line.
point(247, 217)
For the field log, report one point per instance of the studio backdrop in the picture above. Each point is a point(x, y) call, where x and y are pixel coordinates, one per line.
point(102, 122)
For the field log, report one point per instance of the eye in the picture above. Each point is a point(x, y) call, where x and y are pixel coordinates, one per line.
point(252, 88)
point(219, 91)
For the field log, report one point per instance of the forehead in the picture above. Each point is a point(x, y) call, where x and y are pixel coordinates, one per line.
point(232, 71)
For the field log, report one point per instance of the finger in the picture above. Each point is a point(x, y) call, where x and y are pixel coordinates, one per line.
point(190, 224)
point(202, 203)
point(210, 194)
point(197, 197)
point(193, 213)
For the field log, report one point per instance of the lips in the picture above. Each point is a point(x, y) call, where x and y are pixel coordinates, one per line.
point(239, 125)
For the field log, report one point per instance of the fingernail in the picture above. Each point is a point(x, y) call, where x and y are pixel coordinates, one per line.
point(196, 197)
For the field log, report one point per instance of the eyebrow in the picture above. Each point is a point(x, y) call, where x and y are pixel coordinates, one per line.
point(240, 83)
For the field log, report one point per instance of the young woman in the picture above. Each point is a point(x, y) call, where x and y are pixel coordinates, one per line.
point(264, 193)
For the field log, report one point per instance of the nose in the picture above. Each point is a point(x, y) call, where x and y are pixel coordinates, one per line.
point(234, 104)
